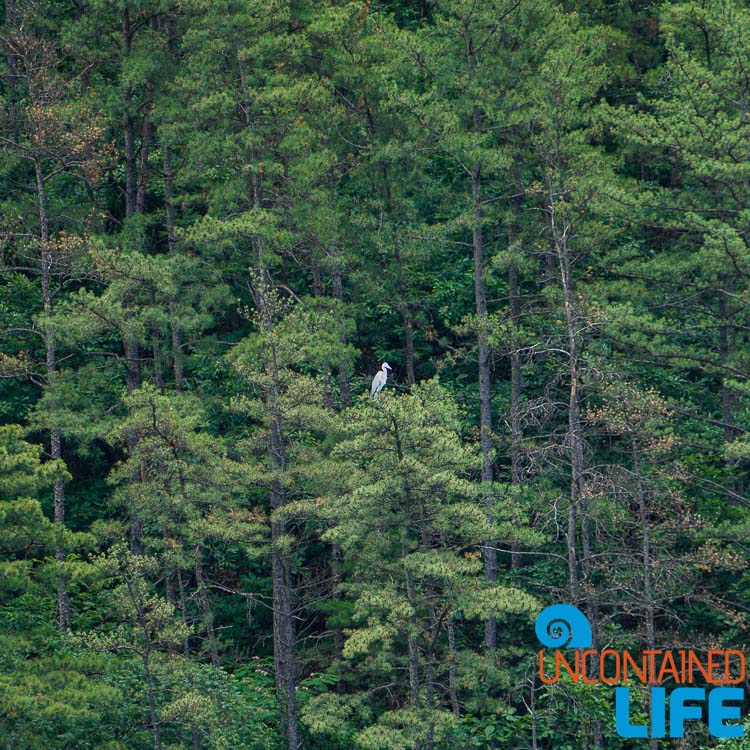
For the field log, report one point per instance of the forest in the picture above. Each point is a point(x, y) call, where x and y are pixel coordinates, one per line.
point(219, 219)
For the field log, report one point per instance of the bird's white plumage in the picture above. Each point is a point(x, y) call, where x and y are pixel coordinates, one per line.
point(380, 379)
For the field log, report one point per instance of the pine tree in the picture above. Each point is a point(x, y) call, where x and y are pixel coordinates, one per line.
point(60, 137)
point(277, 363)
point(407, 519)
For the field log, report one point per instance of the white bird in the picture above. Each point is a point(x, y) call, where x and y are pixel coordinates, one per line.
point(378, 382)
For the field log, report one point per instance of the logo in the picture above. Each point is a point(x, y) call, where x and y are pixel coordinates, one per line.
point(563, 626)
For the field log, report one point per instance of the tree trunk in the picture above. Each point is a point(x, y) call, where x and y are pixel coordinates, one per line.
point(411, 594)
point(727, 405)
point(434, 632)
point(532, 711)
point(205, 606)
point(452, 669)
point(131, 181)
point(130, 347)
point(516, 435)
point(284, 635)
point(411, 640)
point(11, 63)
point(156, 361)
point(132, 380)
point(345, 385)
point(169, 197)
point(401, 284)
point(145, 655)
point(405, 308)
point(152, 709)
point(648, 588)
point(147, 134)
point(336, 554)
point(338, 633)
point(560, 228)
point(174, 322)
point(430, 681)
point(177, 358)
point(63, 605)
point(483, 347)
point(485, 402)
point(195, 734)
point(727, 347)
point(574, 436)
point(131, 176)
point(317, 275)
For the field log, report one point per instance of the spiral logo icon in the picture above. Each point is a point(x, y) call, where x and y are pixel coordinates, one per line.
point(563, 626)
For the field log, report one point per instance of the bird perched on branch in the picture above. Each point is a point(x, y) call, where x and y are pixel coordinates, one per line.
point(379, 381)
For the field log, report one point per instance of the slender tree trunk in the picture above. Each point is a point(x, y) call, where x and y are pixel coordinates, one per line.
point(411, 594)
point(132, 365)
point(183, 610)
point(205, 606)
point(336, 553)
point(132, 380)
point(63, 606)
point(146, 137)
point(169, 574)
point(409, 345)
point(146, 661)
point(727, 347)
point(648, 587)
point(483, 348)
point(453, 669)
point(131, 180)
point(532, 710)
point(284, 635)
point(284, 632)
point(726, 350)
point(434, 632)
point(578, 493)
point(131, 175)
point(156, 361)
point(430, 679)
point(560, 229)
point(169, 196)
point(338, 633)
point(402, 286)
point(411, 640)
point(195, 734)
point(572, 553)
point(174, 322)
point(152, 709)
point(405, 308)
point(317, 275)
point(177, 357)
point(345, 385)
point(485, 402)
point(11, 62)
point(574, 437)
point(516, 435)
point(130, 347)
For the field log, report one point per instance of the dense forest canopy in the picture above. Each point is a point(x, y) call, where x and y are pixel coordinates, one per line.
point(218, 218)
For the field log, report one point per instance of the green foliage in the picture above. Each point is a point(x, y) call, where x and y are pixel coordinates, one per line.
point(218, 218)
point(407, 520)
